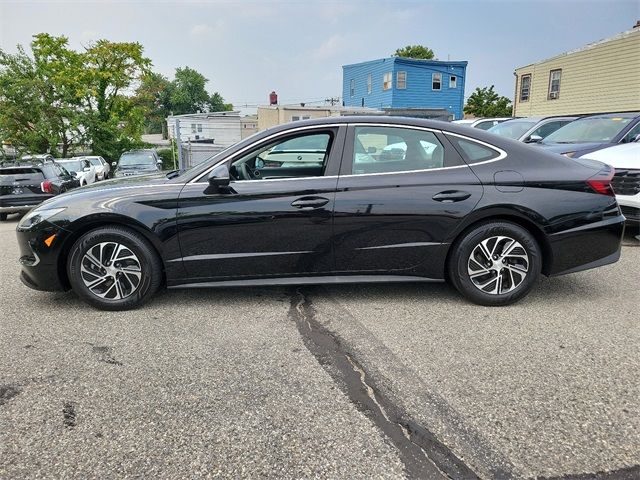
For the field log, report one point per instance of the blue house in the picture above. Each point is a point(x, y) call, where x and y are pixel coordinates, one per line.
point(405, 83)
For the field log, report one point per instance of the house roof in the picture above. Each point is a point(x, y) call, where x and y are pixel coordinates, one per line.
point(201, 116)
point(413, 61)
point(588, 46)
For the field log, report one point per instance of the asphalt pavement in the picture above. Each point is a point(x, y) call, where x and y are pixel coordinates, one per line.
point(376, 381)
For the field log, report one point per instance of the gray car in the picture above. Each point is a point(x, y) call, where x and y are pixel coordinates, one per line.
point(530, 129)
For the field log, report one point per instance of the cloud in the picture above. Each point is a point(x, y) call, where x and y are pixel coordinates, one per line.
point(334, 45)
point(200, 30)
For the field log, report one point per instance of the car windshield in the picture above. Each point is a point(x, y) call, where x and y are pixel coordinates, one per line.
point(95, 161)
point(589, 130)
point(74, 166)
point(511, 129)
point(137, 159)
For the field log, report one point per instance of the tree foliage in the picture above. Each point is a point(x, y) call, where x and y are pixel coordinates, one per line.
point(485, 102)
point(415, 51)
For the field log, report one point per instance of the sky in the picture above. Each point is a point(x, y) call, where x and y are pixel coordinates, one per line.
point(297, 48)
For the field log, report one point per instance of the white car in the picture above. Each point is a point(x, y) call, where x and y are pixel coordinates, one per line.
point(625, 159)
point(81, 168)
point(482, 123)
point(101, 165)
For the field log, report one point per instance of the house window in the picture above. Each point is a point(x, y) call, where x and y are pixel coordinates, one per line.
point(369, 84)
point(554, 84)
point(401, 80)
point(436, 81)
point(199, 128)
point(453, 81)
point(525, 87)
point(193, 128)
point(386, 81)
point(295, 118)
point(352, 89)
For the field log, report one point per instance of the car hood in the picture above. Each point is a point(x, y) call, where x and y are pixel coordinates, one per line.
point(571, 147)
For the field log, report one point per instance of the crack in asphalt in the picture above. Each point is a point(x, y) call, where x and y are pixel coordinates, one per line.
point(423, 456)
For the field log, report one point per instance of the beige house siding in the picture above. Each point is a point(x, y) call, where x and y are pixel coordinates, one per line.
point(601, 77)
point(272, 115)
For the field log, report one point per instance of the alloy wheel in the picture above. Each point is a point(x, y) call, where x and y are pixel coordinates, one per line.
point(498, 265)
point(111, 270)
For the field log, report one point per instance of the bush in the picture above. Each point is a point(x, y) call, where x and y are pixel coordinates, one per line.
point(166, 156)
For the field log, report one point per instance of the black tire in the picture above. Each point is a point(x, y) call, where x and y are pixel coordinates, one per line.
point(150, 267)
point(459, 264)
point(3, 217)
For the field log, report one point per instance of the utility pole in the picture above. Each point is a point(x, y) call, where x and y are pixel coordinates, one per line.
point(179, 143)
point(332, 100)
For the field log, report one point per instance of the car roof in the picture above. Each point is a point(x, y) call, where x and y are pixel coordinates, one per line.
point(613, 115)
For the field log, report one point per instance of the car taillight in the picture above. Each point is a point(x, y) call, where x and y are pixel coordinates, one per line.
point(601, 183)
point(46, 186)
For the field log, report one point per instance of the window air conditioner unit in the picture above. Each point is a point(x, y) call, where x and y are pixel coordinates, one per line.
point(553, 95)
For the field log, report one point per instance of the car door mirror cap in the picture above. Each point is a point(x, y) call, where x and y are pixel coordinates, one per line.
point(218, 177)
point(534, 139)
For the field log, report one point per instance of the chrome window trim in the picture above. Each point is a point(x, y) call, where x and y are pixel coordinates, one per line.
point(501, 153)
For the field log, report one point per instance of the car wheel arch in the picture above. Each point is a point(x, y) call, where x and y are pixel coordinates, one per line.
point(101, 222)
point(508, 216)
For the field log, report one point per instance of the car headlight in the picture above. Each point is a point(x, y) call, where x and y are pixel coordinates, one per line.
point(569, 154)
point(36, 216)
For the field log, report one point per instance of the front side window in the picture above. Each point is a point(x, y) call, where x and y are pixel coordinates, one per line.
point(547, 129)
point(453, 81)
point(393, 149)
point(554, 84)
point(632, 134)
point(525, 87)
point(401, 80)
point(369, 84)
point(474, 152)
point(436, 81)
point(352, 89)
point(293, 157)
point(386, 81)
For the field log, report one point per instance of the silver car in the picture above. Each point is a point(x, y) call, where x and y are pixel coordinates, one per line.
point(530, 129)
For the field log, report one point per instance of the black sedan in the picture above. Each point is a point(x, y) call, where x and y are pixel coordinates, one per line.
point(453, 203)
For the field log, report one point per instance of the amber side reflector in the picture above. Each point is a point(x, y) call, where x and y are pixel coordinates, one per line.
point(49, 240)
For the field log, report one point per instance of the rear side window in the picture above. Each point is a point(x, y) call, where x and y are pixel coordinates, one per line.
point(474, 152)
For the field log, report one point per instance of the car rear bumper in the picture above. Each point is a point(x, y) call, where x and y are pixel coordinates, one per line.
point(588, 246)
point(20, 203)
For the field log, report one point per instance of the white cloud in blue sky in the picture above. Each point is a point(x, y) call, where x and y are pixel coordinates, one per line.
point(297, 48)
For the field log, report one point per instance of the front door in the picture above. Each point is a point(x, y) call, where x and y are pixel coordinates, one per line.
point(274, 219)
point(401, 193)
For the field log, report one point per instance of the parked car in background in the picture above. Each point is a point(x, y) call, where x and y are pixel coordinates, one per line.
point(39, 158)
point(482, 123)
point(595, 132)
point(100, 164)
point(486, 213)
point(530, 129)
point(81, 168)
point(625, 159)
point(137, 162)
point(23, 185)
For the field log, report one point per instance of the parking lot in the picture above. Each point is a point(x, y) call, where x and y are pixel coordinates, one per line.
point(377, 381)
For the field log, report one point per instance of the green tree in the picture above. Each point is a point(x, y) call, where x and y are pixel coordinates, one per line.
point(485, 102)
point(113, 120)
point(187, 93)
point(152, 95)
point(40, 96)
point(415, 51)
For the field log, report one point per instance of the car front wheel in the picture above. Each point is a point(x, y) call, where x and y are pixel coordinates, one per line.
point(495, 263)
point(114, 268)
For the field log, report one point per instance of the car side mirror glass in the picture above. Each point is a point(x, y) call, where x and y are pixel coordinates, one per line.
point(218, 177)
point(534, 139)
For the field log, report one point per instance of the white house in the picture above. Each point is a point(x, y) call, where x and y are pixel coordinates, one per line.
point(219, 128)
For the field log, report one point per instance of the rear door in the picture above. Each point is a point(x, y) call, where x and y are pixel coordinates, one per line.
point(275, 217)
point(401, 192)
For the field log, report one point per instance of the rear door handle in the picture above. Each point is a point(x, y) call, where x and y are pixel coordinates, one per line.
point(450, 196)
point(307, 203)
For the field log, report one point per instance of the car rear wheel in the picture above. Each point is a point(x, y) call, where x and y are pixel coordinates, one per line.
point(495, 263)
point(114, 268)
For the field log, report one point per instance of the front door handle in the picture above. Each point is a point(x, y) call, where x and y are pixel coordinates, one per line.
point(308, 203)
point(450, 196)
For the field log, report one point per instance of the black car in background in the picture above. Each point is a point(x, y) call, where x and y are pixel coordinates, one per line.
point(25, 185)
point(137, 162)
point(588, 134)
point(486, 213)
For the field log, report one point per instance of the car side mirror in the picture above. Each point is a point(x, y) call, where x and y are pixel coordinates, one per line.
point(86, 169)
point(534, 139)
point(113, 164)
point(218, 177)
point(637, 138)
point(159, 162)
